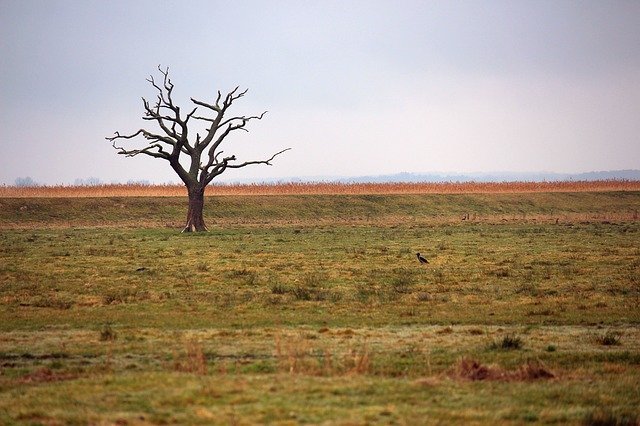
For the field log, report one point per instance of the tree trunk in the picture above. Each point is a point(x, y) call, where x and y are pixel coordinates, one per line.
point(195, 221)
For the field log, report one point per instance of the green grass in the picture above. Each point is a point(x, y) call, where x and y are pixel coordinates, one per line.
point(354, 275)
point(312, 309)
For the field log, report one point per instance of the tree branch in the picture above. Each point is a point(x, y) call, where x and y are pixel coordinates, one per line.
point(228, 130)
point(220, 167)
point(131, 153)
point(267, 162)
point(215, 107)
point(216, 122)
point(165, 101)
point(243, 118)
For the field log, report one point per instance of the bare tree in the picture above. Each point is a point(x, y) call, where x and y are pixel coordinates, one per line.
point(204, 156)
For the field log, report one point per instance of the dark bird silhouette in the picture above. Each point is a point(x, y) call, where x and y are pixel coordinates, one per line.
point(421, 259)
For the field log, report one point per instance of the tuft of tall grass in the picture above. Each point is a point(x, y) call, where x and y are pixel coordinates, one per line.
point(302, 293)
point(508, 342)
point(314, 279)
point(278, 288)
point(107, 333)
point(202, 267)
point(249, 277)
point(192, 360)
point(610, 338)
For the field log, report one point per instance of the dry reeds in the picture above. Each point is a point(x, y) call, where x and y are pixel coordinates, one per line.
point(318, 188)
point(193, 360)
point(297, 356)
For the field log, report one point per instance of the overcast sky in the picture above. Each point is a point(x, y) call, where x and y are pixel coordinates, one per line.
point(353, 87)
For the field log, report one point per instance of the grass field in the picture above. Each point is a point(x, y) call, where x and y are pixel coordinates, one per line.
point(311, 309)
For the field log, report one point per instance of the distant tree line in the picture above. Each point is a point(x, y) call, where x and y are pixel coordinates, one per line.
point(25, 182)
point(28, 181)
point(90, 181)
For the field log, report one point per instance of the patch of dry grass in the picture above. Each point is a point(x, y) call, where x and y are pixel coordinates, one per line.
point(319, 188)
point(472, 369)
point(191, 359)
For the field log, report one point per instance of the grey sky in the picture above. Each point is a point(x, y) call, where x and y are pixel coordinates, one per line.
point(354, 87)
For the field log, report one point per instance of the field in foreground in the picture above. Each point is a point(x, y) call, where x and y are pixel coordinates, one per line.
point(314, 309)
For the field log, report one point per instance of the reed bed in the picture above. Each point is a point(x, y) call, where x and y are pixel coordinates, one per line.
point(318, 188)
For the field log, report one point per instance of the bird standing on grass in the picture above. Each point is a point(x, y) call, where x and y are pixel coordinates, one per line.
point(421, 259)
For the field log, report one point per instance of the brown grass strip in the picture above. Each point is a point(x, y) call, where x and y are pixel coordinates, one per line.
point(319, 188)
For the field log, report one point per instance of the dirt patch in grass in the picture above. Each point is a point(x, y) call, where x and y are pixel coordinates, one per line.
point(45, 374)
point(472, 369)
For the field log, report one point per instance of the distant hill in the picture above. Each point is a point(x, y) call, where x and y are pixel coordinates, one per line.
point(462, 177)
point(499, 177)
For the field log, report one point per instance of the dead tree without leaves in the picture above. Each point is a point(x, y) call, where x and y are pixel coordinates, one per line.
point(203, 154)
